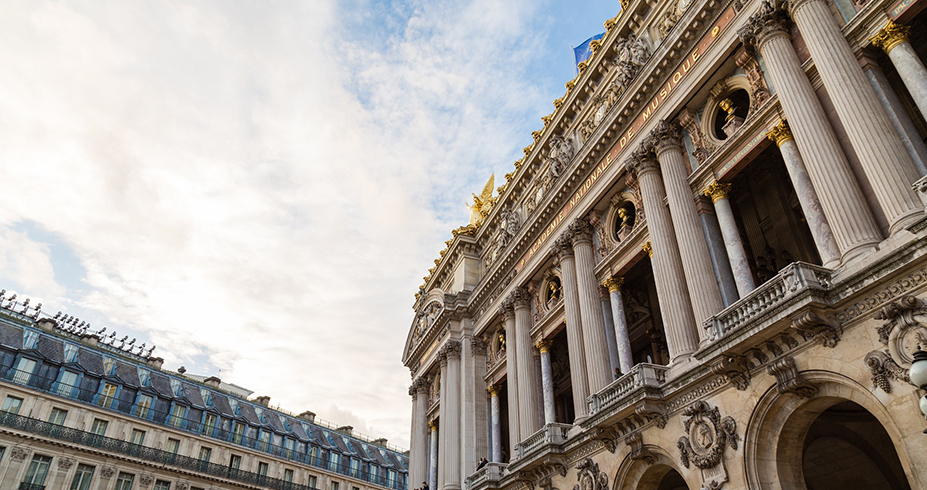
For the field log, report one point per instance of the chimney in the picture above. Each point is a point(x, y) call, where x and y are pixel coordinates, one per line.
point(347, 429)
point(262, 400)
point(381, 441)
point(307, 415)
point(47, 324)
point(212, 381)
point(156, 362)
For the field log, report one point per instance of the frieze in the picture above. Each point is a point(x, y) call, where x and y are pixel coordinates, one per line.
point(902, 286)
point(706, 437)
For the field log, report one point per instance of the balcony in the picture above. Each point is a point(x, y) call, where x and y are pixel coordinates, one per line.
point(486, 477)
point(549, 435)
point(30, 486)
point(643, 380)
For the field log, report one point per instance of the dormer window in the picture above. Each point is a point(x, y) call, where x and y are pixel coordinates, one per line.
point(30, 339)
point(207, 397)
point(234, 404)
point(109, 365)
point(176, 387)
point(144, 376)
point(70, 353)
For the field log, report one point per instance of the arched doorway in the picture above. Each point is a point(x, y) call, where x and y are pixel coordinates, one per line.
point(672, 480)
point(847, 447)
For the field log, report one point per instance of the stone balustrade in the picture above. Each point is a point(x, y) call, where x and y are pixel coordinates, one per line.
point(486, 477)
point(643, 375)
point(550, 434)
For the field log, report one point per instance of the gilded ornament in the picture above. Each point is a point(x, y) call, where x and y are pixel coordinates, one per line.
point(890, 36)
point(528, 148)
point(536, 135)
point(614, 283)
point(582, 66)
point(717, 191)
point(482, 205)
point(544, 345)
point(547, 119)
point(780, 133)
point(570, 85)
point(558, 102)
point(647, 247)
point(595, 45)
point(493, 390)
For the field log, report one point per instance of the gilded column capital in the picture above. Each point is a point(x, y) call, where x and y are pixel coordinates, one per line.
point(780, 133)
point(614, 283)
point(581, 231)
point(433, 425)
point(642, 161)
point(717, 191)
point(890, 36)
point(647, 247)
point(666, 136)
point(769, 21)
point(544, 345)
point(493, 390)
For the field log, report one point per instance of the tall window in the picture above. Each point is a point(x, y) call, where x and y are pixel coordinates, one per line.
point(177, 413)
point(173, 445)
point(70, 353)
point(67, 384)
point(205, 454)
point(143, 408)
point(107, 395)
point(24, 370)
point(12, 404)
point(209, 423)
point(162, 485)
point(312, 481)
point(138, 437)
point(235, 462)
point(109, 365)
point(30, 339)
point(125, 481)
point(238, 432)
point(57, 416)
point(334, 461)
point(207, 397)
point(176, 387)
point(144, 376)
point(99, 427)
point(37, 471)
point(264, 441)
point(288, 475)
point(335, 485)
point(82, 477)
point(262, 469)
point(355, 466)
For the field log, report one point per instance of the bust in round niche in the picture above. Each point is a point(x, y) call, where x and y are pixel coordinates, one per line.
point(553, 291)
point(625, 217)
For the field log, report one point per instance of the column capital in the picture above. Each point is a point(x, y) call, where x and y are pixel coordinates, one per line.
point(780, 133)
point(581, 231)
point(563, 246)
point(769, 21)
point(433, 425)
point(642, 161)
point(451, 350)
point(890, 36)
point(519, 297)
point(507, 308)
point(614, 283)
point(647, 247)
point(478, 346)
point(666, 136)
point(717, 191)
point(493, 390)
point(544, 345)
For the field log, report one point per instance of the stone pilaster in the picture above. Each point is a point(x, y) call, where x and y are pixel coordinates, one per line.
point(622, 338)
point(807, 197)
point(511, 372)
point(597, 364)
point(547, 380)
point(675, 308)
point(563, 251)
point(893, 39)
point(495, 410)
point(474, 423)
point(883, 157)
point(666, 143)
point(524, 364)
point(743, 276)
point(842, 200)
point(419, 448)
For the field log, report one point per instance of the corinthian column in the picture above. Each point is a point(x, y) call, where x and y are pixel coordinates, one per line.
point(433, 455)
point(610, 341)
point(807, 198)
point(666, 142)
point(597, 366)
point(418, 460)
point(743, 276)
point(893, 39)
point(547, 380)
point(681, 333)
point(524, 364)
point(450, 415)
point(511, 371)
point(884, 159)
point(495, 424)
point(622, 339)
point(563, 251)
point(842, 200)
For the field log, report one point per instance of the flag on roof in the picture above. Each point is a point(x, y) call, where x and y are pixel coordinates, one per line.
point(584, 51)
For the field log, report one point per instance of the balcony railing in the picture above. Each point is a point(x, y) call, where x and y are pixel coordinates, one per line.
point(792, 280)
point(642, 375)
point(550, 434)
point(486, 476)
point(89, 439)
point(30, 486)
point(54, 387)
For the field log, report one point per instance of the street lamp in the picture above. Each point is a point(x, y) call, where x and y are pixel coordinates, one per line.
point(918, 376)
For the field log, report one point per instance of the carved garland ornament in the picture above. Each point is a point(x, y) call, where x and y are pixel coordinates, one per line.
point(707, 435)
point(589, 476)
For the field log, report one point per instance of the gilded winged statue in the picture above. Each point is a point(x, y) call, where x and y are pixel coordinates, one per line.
point(483, 203)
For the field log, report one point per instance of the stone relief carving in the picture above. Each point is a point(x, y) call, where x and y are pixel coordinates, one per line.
point(635, 441)
point(788, 379)
point(145, 480)
point(560, 155)
point(589, 476)
point(736, 368)
point(703, 148)
point(65, 463)
point(902, 328)
point(707, 435)
point(632, 55)
point(883, 368)
point(810, 324)
point(108, 472)
point(758, 88)
point(18, 454)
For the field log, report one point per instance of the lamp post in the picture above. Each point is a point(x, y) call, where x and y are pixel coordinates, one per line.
point(918, 376)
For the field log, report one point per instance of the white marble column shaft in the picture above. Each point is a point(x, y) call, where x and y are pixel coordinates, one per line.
point(743, 276)
point(622, 339)
point(596, 349)
point(842, 200)
point(511, 375)
point(474, 419)
point(883, 157)
point(807, 197)
point(666, 141)
point(527, 387)
point(450, 416)
point(682, 336)
point(419, 464)
point(547, 380)
point(720, 263)
point(495, 425)
point(442, 434)
point(893, 39)
point(610, 340)
point(563, 249)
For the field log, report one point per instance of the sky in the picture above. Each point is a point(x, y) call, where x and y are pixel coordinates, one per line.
point(257, 188)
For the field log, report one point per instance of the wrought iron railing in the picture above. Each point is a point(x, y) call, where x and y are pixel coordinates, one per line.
point(54, 387)
point(30, 486)
point(89, 439)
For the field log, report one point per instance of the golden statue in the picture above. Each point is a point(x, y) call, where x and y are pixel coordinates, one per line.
point(501, 341)
point(554, 292)
point(728, 106)
point(483, 203)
